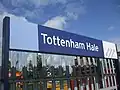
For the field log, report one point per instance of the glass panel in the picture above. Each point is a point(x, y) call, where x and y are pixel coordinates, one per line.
point(22, 64)
point(26, 70)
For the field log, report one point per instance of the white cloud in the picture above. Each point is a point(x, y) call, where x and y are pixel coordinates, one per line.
point(46, 2)
point(36, 11)
point(74, 10)
point(57, 22)
point(118, 6)
point(111, 28)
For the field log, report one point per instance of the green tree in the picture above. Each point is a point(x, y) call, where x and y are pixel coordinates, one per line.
point(39, 63)
point(9, 65)
point(30, 69)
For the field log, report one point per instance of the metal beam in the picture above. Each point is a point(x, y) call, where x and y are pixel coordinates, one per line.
point(5, 52)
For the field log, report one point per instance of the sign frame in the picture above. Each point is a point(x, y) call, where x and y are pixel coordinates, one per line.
point(48, 43)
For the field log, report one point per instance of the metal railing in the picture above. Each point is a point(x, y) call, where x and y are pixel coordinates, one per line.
point(87, 74)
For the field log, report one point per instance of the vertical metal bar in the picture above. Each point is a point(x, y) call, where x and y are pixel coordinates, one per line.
point(5, 51)
point(60, 75)
point(68, 84)
point(61, 85)
point(114, 72)
point(87, 81)
point(103, 72)
point(77, 80)
point(92, 86)
point(10, 88)
point(109, 77)
point(25, 75)
point(44, 85)
point(75, 74)
point(96, 84)
point(53, 79)
point(93, 77)
point(91, 83)
point(35, 85)
point(14, 86)
point(13, 77)
point(53, 84)
point(68, 77)
point(80, 60)
point(81, 84)
point(75, 85)
point(25, 86)
point(84, 61)
point(109, 61)
point(89, 62)
point(107, 68)
point(87, 84)
point(117, 66)
point(95, 80)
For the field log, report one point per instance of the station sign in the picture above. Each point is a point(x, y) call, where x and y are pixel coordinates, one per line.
point(61, 42)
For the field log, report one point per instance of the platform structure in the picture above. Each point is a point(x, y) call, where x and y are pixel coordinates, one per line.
point(85, 63)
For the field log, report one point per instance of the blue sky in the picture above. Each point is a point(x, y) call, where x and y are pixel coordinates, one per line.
point(101, 20)
point(94, 18)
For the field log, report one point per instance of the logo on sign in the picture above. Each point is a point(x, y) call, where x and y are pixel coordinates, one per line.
point(109, 50)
